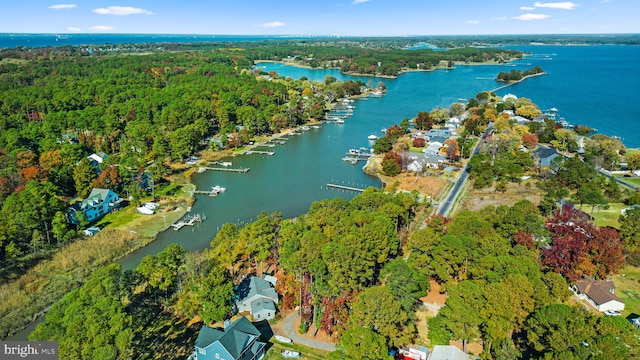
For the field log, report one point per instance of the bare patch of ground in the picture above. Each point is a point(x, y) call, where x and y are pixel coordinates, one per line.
point(475, 200)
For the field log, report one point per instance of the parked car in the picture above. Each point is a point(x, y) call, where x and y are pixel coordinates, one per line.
point(612, 313)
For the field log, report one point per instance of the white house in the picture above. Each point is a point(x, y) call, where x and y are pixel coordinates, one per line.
point(600, 294)
point(415, 166)
point(258, 297)
point(433, 148)
point(509, 96)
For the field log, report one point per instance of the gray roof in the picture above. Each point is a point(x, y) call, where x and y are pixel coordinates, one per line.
point(544, 152)
point(96, 197)
point(256, 286)
point(234, 338)
point(447, 352)
point(262, 304)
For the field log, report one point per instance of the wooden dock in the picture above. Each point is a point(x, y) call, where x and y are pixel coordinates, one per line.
point(260, 152)
point(188, 220)
point(237, 170)
point(336, 186)
point(266, 145)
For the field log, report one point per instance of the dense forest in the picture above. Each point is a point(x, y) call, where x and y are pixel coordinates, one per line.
point(356, 273)
point(143, 111)
point(355, 268)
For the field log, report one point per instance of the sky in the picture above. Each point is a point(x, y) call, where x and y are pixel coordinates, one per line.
point(325, 17)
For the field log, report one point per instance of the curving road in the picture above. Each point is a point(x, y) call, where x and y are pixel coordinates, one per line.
point(288, 328)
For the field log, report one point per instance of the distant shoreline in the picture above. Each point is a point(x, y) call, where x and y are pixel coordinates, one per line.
point(400, 72)
point(518, 81)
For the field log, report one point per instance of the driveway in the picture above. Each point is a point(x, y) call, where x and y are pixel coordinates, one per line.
point(289, 330)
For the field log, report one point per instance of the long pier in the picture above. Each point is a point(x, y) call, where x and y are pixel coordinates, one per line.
point(237, 170)
point(336, 186)
point(260, 152)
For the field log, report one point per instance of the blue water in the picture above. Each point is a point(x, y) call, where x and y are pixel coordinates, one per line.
point(9, 40)
point(598, 86)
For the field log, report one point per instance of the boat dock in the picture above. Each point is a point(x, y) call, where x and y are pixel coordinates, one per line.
point(188, 220)
point(336, 186)
point(260, 152)
point(237, 170)
point(266, 145)
point(215, 190)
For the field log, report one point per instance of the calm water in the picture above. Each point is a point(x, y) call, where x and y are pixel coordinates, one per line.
point(598, 86)
point(298, 173)
point(8, 40)
point(595, 86)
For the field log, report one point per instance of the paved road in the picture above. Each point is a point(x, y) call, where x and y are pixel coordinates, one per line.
point(288, 328)
point(445, 206)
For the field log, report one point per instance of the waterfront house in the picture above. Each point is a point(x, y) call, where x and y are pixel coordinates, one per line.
point(258, 297)
point(543, 155)
point(600, 294)
point(433, 148)
point(99, 203)
point(238, 341)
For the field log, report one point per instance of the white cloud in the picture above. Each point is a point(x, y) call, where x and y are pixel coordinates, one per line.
point(527, 8)
point(607, 1)
point(529, 17)
point(102, 28)
point(501, 18)
point(272, 24)
point(473, 22)
point(74, 29)
point(121, 11)
point(356, 2)
point(566, 5)
point(62, 6)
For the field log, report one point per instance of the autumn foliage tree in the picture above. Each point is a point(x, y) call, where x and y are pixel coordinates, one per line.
point(529, 140)
point(451, 146)
point(423, 121)
point(580, 248)
point(419, 142)
point(392, 164)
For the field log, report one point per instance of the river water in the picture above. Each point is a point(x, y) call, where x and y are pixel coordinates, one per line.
point(590, 85)
point(297, 174)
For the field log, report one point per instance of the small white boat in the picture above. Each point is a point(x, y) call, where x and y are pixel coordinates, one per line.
point(373, 137)
point(384, 130)
point(290, 354)
point(340, 121)
point(218, 189)
point(283, 339)
point(144, 210)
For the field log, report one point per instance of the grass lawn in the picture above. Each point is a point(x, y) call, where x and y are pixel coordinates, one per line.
point(628, 289)
point(635, 181)
point(172, 208)
point(305, 352)
point(607, 217)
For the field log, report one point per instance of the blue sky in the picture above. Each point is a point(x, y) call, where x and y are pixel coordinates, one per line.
point(326, 17)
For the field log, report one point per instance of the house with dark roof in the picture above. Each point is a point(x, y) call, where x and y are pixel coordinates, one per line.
point(99, 203)
point(543, 155)
point(238, 341)
point(600, 294)
point(258, 297)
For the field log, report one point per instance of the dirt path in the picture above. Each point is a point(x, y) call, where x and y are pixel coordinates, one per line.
point(287, 327)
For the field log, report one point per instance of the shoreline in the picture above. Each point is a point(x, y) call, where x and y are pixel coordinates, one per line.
point(400, 71)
